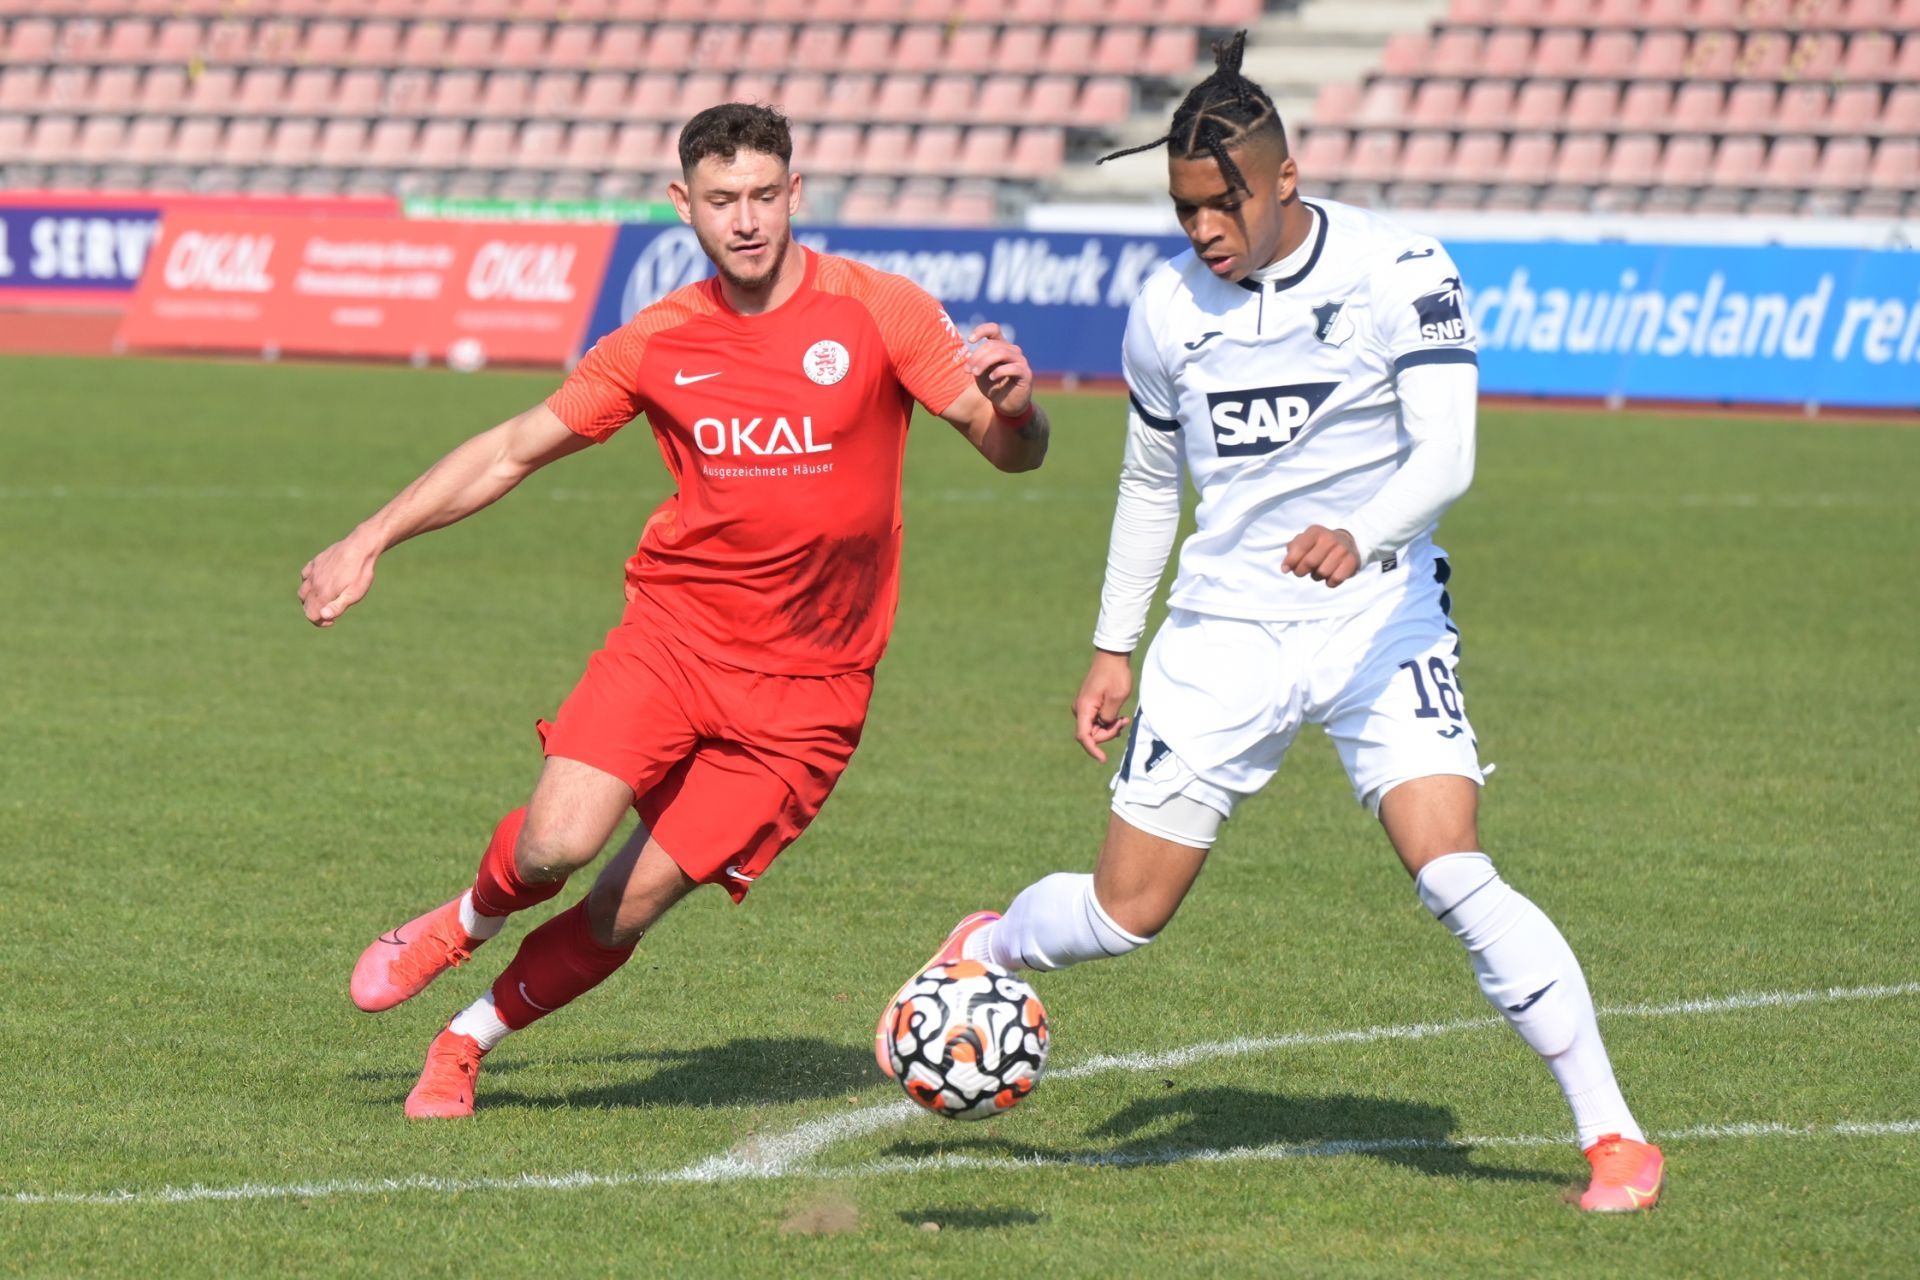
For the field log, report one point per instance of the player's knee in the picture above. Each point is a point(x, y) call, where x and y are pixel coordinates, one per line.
point(1135, 918)
point(545, 854)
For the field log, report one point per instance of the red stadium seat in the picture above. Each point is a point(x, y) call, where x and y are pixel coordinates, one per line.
point(1540, 104)
point(1901, 116)
point(1104, 102)
point(769, 47)
point(1803, 109)
point(719, 47)
point(640, 148)
point(1489, 105)
point(1764, 55)
point(918, 204)
point(1374, 157)
point(603, 96)
point(886, 148)
point(1478, 158)
point(656, 96)
point(21, 90)
point(628, 48)
point(1170, 51)
point(263, 91)
point(555, 93)
point(243, 145)
point(1428, 157)
point(129, 40)
point(1581, 161)
point(1662, 55)
point(455, 93)
point(1895, 162)
point(53, 139)
point(802, 97)
point(1711, 56)
point(1002, 100)
point(1529, 159)
point(935, 149)
point(1569, 13)
point(1634, 163)
point(1039, 152)
point(699, 91)
point(848, 98)
point(1560, 55)
point(211, 92)
point(13, 139)
point(360, 93)
point(32, 40)
point(505, 94)
point(1322, 157)
point(1698, 107)
point(102, 140)
point(1647, 105)
point(343, 143)
point(1051, 100)
point(1021, 50)
point(490, 145)
point(1620, 13)
point(901, 98)
point(539, 144)
point(1069, 49)
point(817, 49)
point(867, 204)
point(1383, 103)
point(468, 44)
point(1906, 67)
point(570, 48)
point(293, 144)
point(1750, 109)
point(149, 142)
point(1436, 105)
point(1869, 56)
point(1737, 163)
point(442, 144)
point(1843, 166)
point(1336, 104)
point(1454, 53)
point(326, 43)
point(588, 147)
point(952, 97)
point(1611, 55)
point(197, 142)
point(985, 151)
point(835, 149)
point(971, 204)
point(392, 145)
point(1405, 55)
point(920, 48)
point(375, 44)
point(1592, 105)
point(163, 91)
point(116, 90)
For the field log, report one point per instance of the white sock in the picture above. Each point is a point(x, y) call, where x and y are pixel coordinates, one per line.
point(481, 1021)
point(1529, 973)
point(478, 927)
point(1052, 924)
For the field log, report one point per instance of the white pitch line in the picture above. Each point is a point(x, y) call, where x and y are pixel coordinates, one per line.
point(788, 1154)
point(1335, 1147)
point(1326, 1149)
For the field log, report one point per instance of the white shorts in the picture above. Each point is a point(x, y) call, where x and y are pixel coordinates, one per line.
point(1221, 700)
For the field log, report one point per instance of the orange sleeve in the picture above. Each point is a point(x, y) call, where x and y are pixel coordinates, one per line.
point(603, 392)
point(921, 341)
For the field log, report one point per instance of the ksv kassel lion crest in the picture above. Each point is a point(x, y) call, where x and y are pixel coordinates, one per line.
point(826, 362)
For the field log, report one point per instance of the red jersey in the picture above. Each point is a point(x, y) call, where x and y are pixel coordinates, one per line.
point(786, 434)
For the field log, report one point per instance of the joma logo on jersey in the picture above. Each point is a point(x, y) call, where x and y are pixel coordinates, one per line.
point(1262, 419)
point(754, 437)
point(1439, 312)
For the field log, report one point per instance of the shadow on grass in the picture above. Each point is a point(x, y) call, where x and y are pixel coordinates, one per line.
point(738, 1073)
point(1201, 1123)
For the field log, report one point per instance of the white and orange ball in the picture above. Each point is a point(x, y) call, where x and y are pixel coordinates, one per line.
point(967, 1040)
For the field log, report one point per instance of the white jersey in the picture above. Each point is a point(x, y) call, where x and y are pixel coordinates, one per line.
point(1283, 397)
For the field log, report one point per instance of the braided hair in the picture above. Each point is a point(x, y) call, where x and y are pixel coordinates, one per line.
point(1220, 112)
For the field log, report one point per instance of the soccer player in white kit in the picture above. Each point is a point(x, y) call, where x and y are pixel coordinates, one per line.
point(1311, 367)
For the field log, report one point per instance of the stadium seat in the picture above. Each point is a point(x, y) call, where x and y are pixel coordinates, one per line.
point(21, 90)
point(293, 144)
point(1736, 167)
point(1020, 50)
point(867, 203)
point(343, 143)
point(1454, 53)
point(835, 150)
point(886, 149)
point(1844, 163)
point(803, 97)
point(1105, 103)
point(1118, 49)
point(13, 139)
point(1322, 158)
point(1633, 167)
point(1593, 105)
point(1684, 169)
point(1697, 107)
point(1750, 108)
point(539, 144)
point(935, 148)
point(101, 140)
point(392, 144)
point(1890, 179)
point(490, 145)
point(817, 49)
point(640, 148)
point(263, 91)
point(1002, 100)
point(1337, 104)
point(128, 40)
point(375, 43)
point(970, 204)
point(1427, 158)
point(849, 98)
point(505, 95)
point(211, 92)
point(1901, 116)
point(918, 203)
point(1170, 52)
point(1802, 109)
point(919, 48)
point(1038, 153)
point(1528, 162)
point(985, 150)
point(1611, 55)
point(1488, 105)
point(555, 94)
point(588, 146)
point(571, 48)
point(1662, 55)
point(1051, 99)
point(1540, 104)
point(360, 93)
point(1436, 105)
point(1869, 56)
point(867, 48)
point(1647, 105)
point(655, 96)
point(197, 142)
point(1383, 104)
point(524, 44)
point(1374, 156)
point(149, 142)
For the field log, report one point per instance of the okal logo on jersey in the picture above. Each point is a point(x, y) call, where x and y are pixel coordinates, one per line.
point(1262, 419)
point(755, 437)
point(1439, 312)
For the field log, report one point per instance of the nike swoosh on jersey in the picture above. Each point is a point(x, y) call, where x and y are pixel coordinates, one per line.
point(1202, 340)
point(1411, 254)
point(682, 380)
point(535, 1003)
point(1533, 999)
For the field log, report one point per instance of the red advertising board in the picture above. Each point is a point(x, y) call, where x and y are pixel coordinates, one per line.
point(470, 292)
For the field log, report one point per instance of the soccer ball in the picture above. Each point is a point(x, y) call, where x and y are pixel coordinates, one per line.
point(967, 1040)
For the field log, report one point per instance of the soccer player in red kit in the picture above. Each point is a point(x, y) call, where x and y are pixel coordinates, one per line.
point(731, 695)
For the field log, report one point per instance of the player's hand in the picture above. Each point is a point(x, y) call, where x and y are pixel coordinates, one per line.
point(1329, 555)
point(333, 581)
point(1096, 712)
point(1000, 369)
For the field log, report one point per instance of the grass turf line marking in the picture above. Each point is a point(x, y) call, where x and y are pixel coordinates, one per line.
point(787, 1154)
point(1327, 1149)
point(1342, 1147)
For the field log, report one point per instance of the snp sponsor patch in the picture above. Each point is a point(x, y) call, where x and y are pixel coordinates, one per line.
point(1439, 312)
point(1262, 419)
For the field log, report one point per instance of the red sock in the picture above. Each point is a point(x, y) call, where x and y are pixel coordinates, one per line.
point(556, 963)
point(498, 890)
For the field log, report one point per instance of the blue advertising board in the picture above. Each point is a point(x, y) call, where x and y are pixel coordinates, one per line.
point(73, 250)
point(1696, 322)
point(1634, 321)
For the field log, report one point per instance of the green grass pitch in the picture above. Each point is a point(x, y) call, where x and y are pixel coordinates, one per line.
point(1690, 648)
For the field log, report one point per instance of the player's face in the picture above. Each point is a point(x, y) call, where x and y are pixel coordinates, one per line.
point(741, 210)
point(1234, 230)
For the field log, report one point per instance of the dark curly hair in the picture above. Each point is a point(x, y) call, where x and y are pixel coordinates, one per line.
point(1221, 112)
point(732, 127)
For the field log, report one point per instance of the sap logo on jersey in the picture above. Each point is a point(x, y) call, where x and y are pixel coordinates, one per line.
point(1439, 312)
point(755, 437)
point(1262, 419)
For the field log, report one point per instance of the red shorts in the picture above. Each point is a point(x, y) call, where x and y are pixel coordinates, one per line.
point(727, 766)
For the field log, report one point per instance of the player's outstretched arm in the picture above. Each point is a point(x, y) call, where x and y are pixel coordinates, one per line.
point(475, 474)
point(999, 416)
